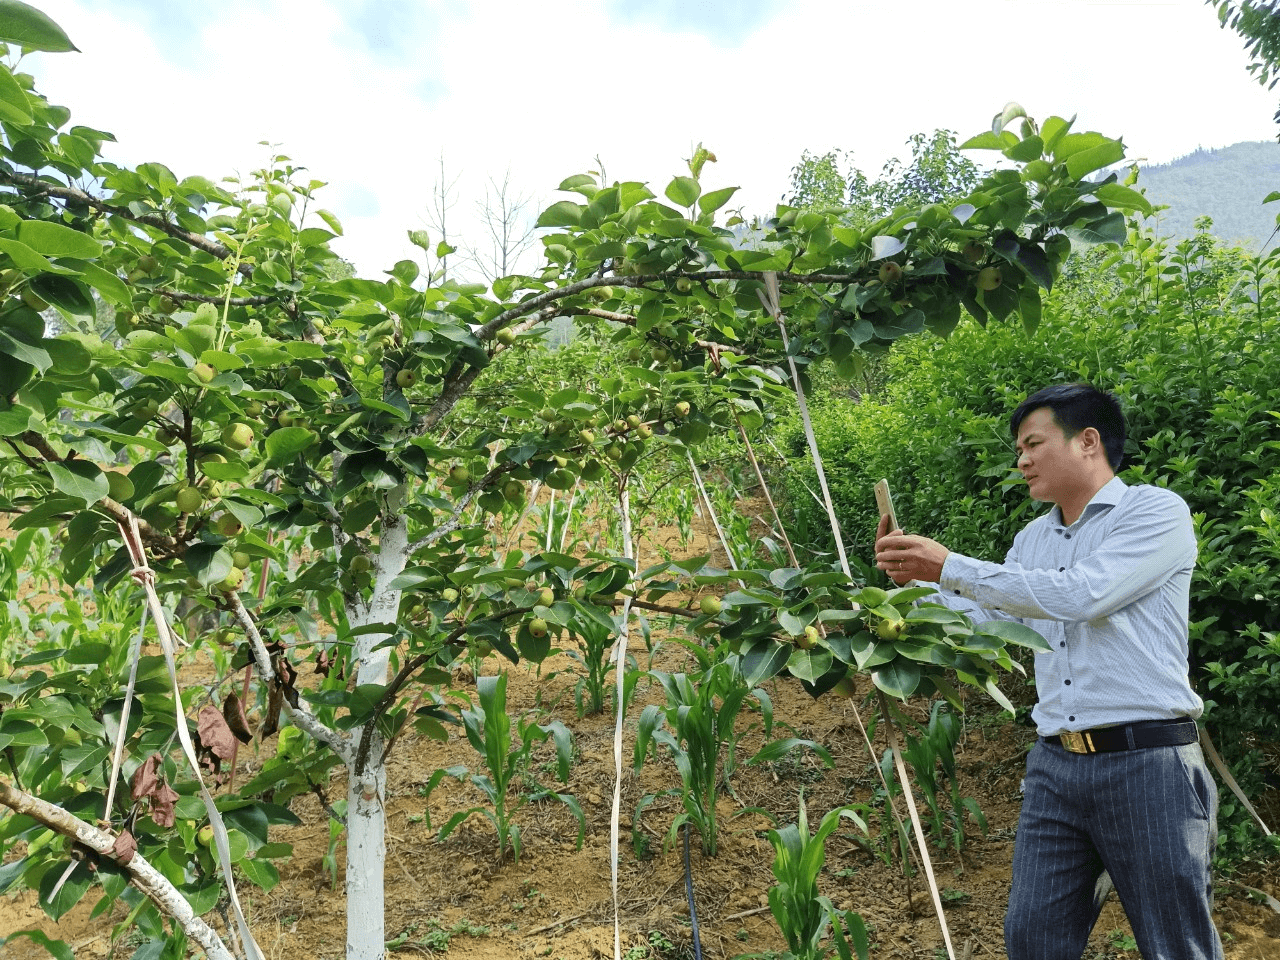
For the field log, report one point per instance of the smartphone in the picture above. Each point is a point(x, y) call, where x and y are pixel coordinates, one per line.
point(884, 502)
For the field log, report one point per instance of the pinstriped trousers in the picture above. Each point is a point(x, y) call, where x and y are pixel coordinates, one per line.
point(1148, 817)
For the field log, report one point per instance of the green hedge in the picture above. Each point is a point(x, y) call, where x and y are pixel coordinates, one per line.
point(1189, 338)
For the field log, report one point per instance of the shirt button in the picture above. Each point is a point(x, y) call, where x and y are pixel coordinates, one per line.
point(1063, 644)
point(956, 592)
point(1072, 719)
point(1068, 536)
point(1067, 682)
point(1060, 569)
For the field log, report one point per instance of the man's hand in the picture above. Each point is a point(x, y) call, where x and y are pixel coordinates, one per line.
point(905, 557)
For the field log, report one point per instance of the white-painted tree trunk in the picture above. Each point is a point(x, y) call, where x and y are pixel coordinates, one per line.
point(367, 789)
point(366, 858)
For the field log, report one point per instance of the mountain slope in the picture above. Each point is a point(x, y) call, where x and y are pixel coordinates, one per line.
point(1227, 184)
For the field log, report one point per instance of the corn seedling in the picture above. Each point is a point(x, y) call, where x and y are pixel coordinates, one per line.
point(926, 754)
point(488, 729)
point(697, 726)
point(801, 912)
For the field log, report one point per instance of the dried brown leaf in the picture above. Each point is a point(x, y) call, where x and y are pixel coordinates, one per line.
point(214, 734)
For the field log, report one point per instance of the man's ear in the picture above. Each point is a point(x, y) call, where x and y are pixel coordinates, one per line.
point(1091, 441)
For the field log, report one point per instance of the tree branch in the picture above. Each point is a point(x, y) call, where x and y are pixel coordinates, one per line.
point(141, 874)
point(541, 300)
point(299, 715)
point(74, 195)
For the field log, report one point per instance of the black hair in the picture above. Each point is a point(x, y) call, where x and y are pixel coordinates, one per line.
point(1076, 406)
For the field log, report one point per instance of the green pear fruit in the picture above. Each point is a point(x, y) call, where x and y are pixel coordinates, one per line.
point(889, 629)
point(890, 272)
point(189, 499)
point(228, 525)
point(233, 581)
point(237, 436)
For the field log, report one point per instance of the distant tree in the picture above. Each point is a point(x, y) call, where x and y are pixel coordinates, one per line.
point(937, 170)
point(818, 181)
point(1259, 24)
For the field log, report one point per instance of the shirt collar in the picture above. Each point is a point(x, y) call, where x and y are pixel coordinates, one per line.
point(1108, 495)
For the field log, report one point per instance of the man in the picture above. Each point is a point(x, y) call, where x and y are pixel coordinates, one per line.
point(1116, 781)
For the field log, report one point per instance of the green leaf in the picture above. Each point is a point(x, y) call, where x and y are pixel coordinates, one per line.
point(58, 949)
point(26, 259)
point(984, 141)
point(713, 201)
point(683, 191)
point(932, 613)
point(1108, 229)
point(69, 296)
point(1012, 632)
point(1123, 198)
point(809, 664)
point(563, 213)
point(1094, 158)
point(764, 659)
point(785, 578)
point(23, 24)
point(1031, 257)
point(16, 420)
point(69, 895)
point(110, 286)
point(582, 183)
point(208, 562)
point(1026, 150)
point(997, 695)
point(792, 623)
point(14, 106)
point(898, 678)
point(287, 442)
point(25, 351)
point(80, 479)
point(56, 240)
point(1030, 308)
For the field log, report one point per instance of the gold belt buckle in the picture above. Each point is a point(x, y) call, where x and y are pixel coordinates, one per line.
point(1077, 742)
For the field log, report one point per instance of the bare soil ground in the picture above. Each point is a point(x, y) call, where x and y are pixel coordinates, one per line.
point(456, 898)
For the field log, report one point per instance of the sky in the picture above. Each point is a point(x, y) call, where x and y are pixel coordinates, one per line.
point(374, 96)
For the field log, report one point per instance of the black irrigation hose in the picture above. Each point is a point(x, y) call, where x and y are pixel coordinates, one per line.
point(688, 891)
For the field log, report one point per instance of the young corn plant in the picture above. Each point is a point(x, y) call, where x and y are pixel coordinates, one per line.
point(488, 729)
point(926, 754)
point(802, 914)
point(697, 727)
point(591, 653)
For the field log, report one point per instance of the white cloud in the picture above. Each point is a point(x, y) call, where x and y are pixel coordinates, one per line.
point(543, 89)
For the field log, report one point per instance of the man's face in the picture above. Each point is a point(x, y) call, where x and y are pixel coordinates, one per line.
point(1050, 462)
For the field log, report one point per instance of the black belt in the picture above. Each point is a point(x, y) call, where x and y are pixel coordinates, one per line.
point(1129, 736)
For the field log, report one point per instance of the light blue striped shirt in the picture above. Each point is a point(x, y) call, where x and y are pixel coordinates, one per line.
point(1110, 595)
